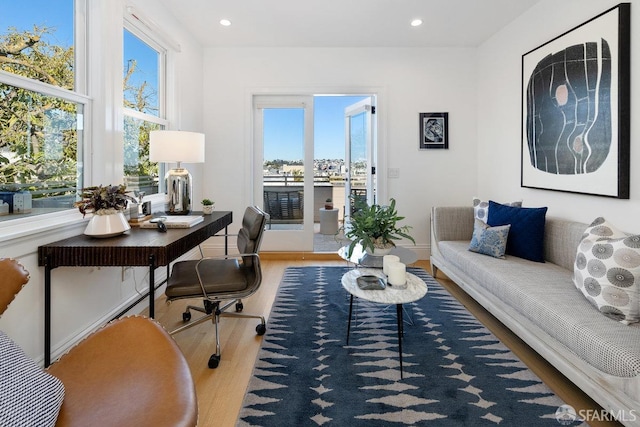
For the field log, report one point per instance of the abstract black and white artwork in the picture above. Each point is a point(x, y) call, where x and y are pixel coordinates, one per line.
point(434, 130)
point(575, 109)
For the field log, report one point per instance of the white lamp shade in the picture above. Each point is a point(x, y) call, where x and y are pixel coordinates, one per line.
point(176, 146)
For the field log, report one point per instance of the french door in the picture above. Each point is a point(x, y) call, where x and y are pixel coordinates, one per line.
point(360, 155)
point(283, 170)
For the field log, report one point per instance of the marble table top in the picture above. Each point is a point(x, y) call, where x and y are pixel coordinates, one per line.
point(414, 290)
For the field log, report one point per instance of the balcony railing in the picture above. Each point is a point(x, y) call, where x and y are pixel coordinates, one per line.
point(284, 201)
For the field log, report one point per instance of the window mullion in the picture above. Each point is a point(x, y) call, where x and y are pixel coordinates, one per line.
point(146, 117)
point(43, 88)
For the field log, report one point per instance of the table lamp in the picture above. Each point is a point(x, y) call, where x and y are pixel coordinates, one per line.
point(177, 146)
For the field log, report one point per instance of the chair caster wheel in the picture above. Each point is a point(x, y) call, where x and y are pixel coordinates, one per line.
point(186, 316)
point(261, 329)
point(214, 361)
point(239, 307)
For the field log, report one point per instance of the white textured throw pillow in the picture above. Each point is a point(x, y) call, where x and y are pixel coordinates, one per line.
point(481, 208)
point(28, 395)
point(607, 271)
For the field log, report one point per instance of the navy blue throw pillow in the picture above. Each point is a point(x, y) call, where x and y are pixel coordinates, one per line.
point(526, 236)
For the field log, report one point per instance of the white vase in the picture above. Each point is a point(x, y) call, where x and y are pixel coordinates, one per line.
point(107, 225)
point(207, 209)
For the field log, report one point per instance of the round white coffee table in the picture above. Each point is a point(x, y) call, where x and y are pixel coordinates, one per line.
point(414, 290)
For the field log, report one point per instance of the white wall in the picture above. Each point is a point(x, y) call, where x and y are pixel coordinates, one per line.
point(83, 298)
point(499, 82)
point(479, 88)
point(409, 81)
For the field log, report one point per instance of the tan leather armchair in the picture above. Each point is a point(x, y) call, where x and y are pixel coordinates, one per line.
point(128, 373)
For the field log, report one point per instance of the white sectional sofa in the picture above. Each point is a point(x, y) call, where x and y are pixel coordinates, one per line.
point(540, 304)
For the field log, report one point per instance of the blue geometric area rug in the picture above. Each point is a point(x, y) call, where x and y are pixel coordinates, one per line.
point(456, 372)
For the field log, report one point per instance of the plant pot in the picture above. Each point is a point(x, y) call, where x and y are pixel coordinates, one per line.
point(328, 207)
point(379, 251)
point(207, 209)
point(107, 225)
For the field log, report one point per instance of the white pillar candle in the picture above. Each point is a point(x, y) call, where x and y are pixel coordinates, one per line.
point(397, 273)
point(386, 260)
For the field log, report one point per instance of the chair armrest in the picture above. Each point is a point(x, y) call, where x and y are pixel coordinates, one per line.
point(14, 277)
point(255, 266)
point(225, 235)
point(227, 256)
point(130, 372)
point(226, 242)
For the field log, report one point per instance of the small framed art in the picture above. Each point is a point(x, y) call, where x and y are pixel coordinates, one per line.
point(434, 130)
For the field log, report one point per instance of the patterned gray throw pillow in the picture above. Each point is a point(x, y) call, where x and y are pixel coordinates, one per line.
point(481, 208)
point(607, 271)
point(490, 241)
point(28, 395)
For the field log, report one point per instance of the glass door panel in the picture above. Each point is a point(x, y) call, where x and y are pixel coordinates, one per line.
point(283, 173)
point(360, 182)
point(282, 185)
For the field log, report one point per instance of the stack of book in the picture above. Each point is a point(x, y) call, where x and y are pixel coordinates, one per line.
point(135, 222)
point(182, 221)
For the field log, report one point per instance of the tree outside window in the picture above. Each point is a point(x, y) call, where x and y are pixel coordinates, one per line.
point(42, 113)
point(142, 111)
point(40, 130)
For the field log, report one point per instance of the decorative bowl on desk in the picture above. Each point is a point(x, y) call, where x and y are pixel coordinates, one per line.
point(108, 204)
point(103, 225)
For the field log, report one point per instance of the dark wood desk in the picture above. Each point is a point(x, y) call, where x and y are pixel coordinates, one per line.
point(136, 248)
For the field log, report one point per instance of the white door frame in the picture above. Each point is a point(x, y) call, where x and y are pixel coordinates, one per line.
point(284, 239)
point(380, 133)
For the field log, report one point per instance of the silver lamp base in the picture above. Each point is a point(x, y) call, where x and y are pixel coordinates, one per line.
point(178, 192)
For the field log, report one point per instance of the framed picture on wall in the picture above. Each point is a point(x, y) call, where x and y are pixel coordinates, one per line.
point(434, 130)
point(576, 109)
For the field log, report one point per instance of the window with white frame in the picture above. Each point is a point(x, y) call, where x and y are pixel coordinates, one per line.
point(143, 87)
point(42, 106)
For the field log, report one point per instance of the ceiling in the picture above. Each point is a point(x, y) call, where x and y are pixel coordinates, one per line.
point(345, 23)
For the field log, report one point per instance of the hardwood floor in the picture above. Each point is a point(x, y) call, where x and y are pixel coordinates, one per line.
point(221, 391)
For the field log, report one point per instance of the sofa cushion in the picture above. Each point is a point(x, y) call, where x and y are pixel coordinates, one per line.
point(28, 395)
point(561, 240)
point(546, 296)
point(607, 271)
point(490, 241)
point(481, 208)
point(526, 236)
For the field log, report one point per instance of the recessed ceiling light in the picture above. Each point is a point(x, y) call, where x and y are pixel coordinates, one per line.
point(416, 22)
point(225, 22)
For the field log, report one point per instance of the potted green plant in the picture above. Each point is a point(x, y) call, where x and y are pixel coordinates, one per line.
point(376, 227)
point(207, 206)
point(103, 200)
point(107, 203)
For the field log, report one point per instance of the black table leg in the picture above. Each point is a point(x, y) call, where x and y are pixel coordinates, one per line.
point(152, 285)
point(47, 312)
point(226, 240)
point(400, 333)
point(349, 323)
